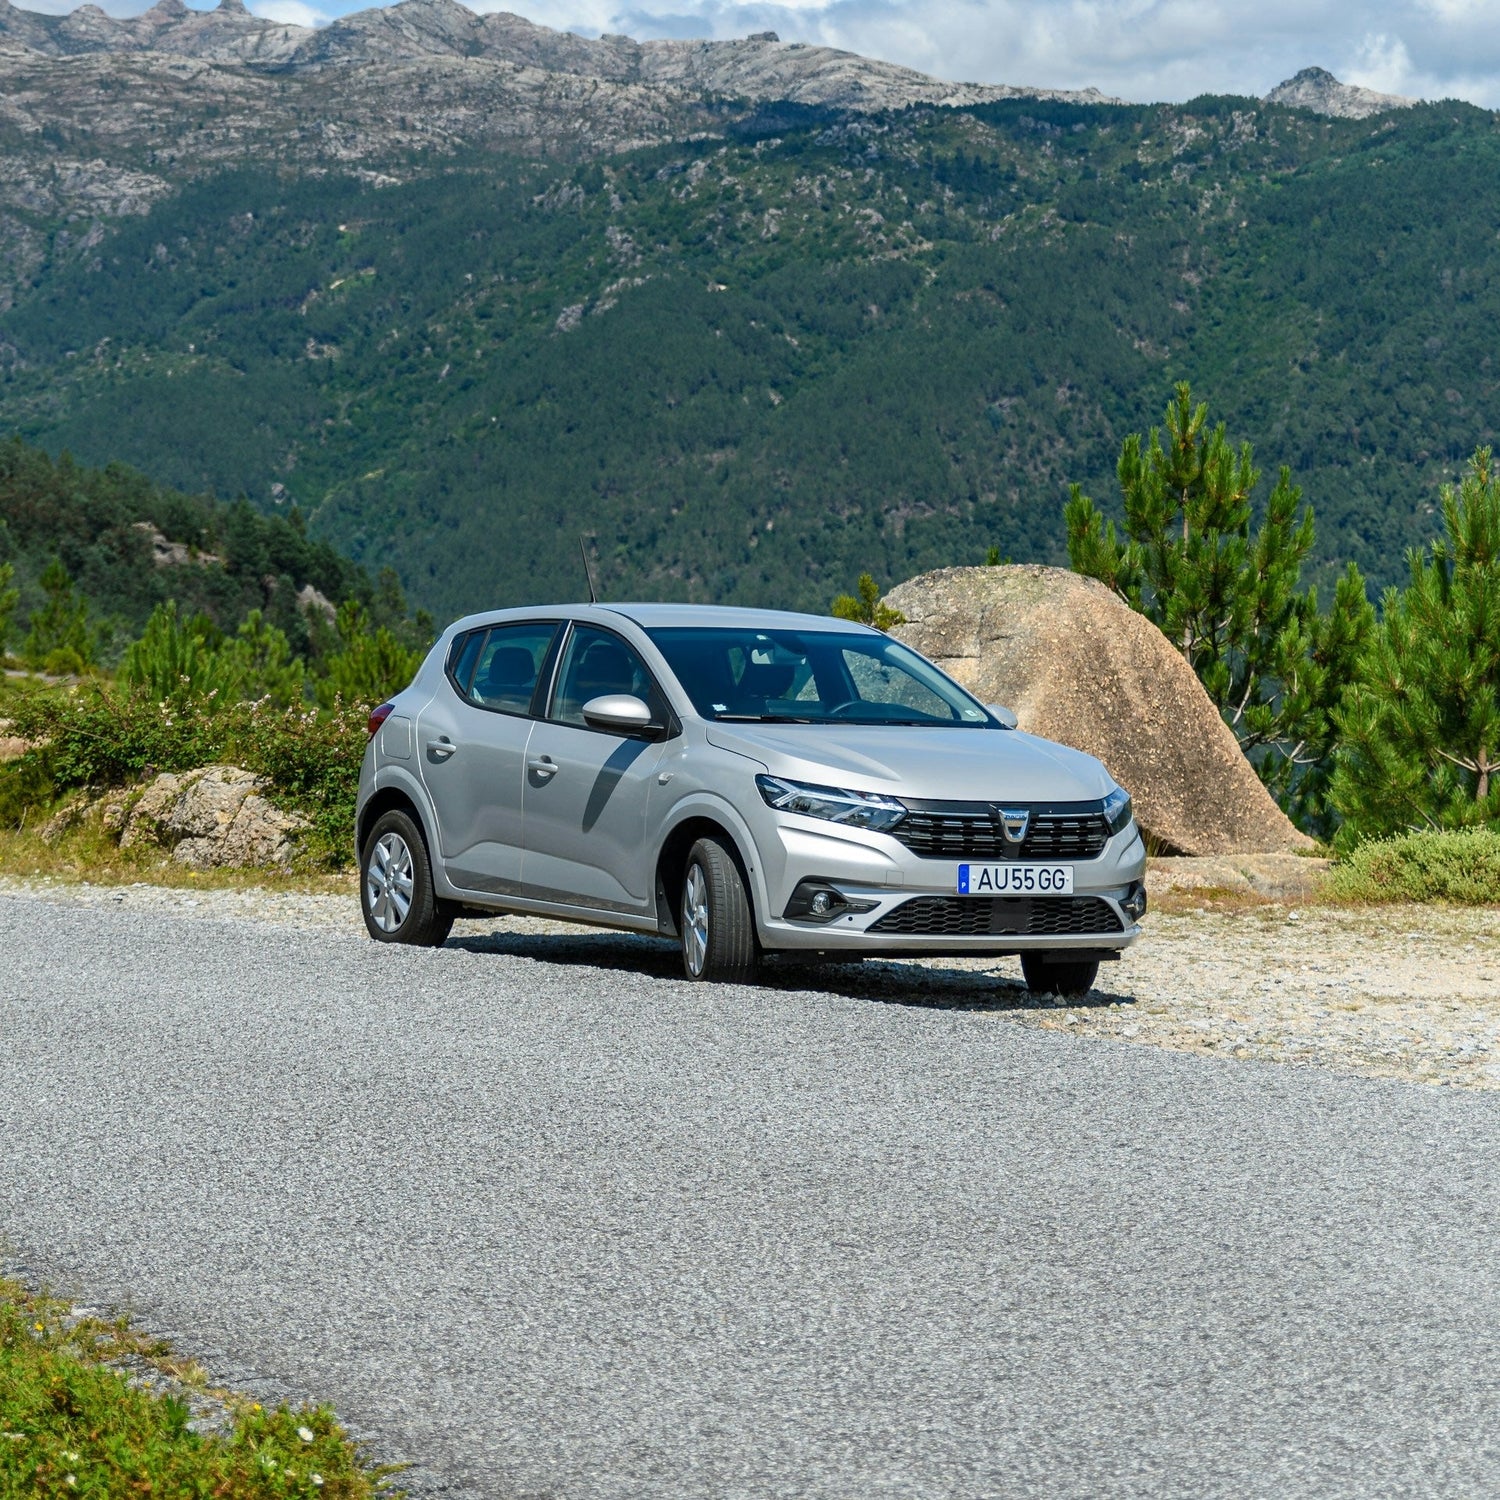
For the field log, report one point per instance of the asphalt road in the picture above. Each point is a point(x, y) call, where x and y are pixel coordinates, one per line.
point(562, 1230)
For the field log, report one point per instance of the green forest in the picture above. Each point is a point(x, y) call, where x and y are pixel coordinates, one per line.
point(750, 369)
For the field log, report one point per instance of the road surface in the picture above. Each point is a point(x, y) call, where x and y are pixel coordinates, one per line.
point(550, 1227)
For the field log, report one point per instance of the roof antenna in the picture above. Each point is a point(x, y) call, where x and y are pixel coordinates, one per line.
point(588, 571)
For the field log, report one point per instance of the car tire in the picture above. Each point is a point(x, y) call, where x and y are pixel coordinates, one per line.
point(395, 885)
point(1070, 978)
point(717, 926)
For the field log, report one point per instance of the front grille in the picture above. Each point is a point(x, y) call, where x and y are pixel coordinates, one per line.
point(1000, 916)
point(978, 835)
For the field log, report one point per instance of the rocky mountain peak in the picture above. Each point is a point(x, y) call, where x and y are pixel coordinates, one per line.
point(1318, 90)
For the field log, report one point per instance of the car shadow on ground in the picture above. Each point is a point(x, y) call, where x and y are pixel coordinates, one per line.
point(931, 983)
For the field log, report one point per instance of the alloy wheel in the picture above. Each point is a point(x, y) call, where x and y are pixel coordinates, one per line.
point(388, 882)
point(695, 920)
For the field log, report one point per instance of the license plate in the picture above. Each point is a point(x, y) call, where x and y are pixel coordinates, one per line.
point(1015, 879)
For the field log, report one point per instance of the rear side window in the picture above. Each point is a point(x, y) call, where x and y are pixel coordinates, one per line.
point(498, 669)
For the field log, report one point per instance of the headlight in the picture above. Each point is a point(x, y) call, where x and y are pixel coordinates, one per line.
point(1117, 809)
point(853, 809)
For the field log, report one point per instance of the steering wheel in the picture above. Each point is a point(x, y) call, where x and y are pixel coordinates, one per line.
point(838, 710)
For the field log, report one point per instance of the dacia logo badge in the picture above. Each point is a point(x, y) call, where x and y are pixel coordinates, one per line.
point(1014, 821)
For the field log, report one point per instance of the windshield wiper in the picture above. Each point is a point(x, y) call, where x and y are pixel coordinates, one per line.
point(766, 719)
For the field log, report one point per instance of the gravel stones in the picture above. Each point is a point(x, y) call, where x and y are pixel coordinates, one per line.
point(1079, 666)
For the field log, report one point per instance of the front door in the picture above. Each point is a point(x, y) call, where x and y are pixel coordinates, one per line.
point(586, 789)
point(472, 739)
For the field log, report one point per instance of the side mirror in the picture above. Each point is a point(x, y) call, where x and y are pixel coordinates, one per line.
point(1006, 716)
point(621, 713)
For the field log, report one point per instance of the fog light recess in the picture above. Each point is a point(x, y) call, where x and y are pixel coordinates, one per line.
point(818, 902)
point(1134, 902)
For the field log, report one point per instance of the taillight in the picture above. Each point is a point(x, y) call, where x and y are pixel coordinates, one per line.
point(379, 717)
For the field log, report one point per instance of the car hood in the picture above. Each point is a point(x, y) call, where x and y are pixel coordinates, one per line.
point(949, 765)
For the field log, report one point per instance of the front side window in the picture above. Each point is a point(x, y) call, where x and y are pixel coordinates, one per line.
point(595, 664)
point(498, 669)
point(812, 677)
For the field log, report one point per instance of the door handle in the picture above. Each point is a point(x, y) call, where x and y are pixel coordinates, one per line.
point(442, 747)
point(543, 765)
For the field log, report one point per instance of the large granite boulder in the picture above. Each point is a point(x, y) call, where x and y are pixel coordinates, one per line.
point(1079, 666)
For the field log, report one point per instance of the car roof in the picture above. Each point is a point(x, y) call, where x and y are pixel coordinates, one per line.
point(664, 616)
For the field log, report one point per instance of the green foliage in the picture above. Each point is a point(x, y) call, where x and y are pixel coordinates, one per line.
point(865, 607)
point(1420, 731)
point(60, 636)
point(93, 529)
point(74, 1426)
point(101, 737)
point(370, 664)
point(1462, 866)
point(180, 659)
point(9, 598)
point(1229, 601)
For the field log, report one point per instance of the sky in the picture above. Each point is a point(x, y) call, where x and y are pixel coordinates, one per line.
point(1141, 50)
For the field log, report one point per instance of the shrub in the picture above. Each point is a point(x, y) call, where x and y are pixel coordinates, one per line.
point(101, 737)
point(1454, 865)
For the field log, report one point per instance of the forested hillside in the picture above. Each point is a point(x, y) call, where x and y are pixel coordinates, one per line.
point(98, 549)
point(750, 368)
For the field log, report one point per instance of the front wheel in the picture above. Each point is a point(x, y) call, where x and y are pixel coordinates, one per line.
point(1070, 978)
point(395, 886)
point(718, 930)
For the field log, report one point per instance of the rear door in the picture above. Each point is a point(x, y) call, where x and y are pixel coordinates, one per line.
point(586, 789)
point(472, 743)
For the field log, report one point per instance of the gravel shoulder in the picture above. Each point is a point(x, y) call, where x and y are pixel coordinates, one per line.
point(1408, 992)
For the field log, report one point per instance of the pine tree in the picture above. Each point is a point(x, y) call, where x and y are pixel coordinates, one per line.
point(59, 639)
point(1230, 600)
point(1420, 730)
point(9, 598)
point(865, 607)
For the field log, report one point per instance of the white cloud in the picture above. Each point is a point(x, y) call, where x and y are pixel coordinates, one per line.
point(289, 12)
point(1382, 63)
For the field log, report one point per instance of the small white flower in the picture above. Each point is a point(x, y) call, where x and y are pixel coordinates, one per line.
point(317, 1480)
point(306, 1434)
point(71, 1479)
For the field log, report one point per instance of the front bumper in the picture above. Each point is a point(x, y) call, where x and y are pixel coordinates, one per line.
point(902, 904)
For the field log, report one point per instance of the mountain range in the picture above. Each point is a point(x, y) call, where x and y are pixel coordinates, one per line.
point(752, 316)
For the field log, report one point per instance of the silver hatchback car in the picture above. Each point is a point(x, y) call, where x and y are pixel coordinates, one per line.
point(744, 781)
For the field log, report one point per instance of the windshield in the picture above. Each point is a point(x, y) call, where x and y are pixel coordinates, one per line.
point(812, 677)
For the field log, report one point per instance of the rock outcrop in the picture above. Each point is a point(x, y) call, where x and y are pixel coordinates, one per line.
point(213, 817)
point(416, 32)
point(1318, 90)
point(1078, 666)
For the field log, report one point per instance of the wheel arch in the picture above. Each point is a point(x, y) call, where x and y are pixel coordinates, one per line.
point(671, 865)
point(391, 798)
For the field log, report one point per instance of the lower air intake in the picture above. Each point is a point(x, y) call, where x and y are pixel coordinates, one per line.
point(1000, 916)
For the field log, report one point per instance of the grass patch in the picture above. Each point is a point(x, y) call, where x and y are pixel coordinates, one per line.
point(1460, 865)
point(72, 1423)
point(88, 854)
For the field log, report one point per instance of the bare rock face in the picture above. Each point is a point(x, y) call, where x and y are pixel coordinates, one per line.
point(1079, 666)
point(210, 818)
point(1318, 90)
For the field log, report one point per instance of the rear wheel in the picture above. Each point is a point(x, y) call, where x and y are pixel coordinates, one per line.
point(1069, 977)
point(718, 930)
point(395, 885)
